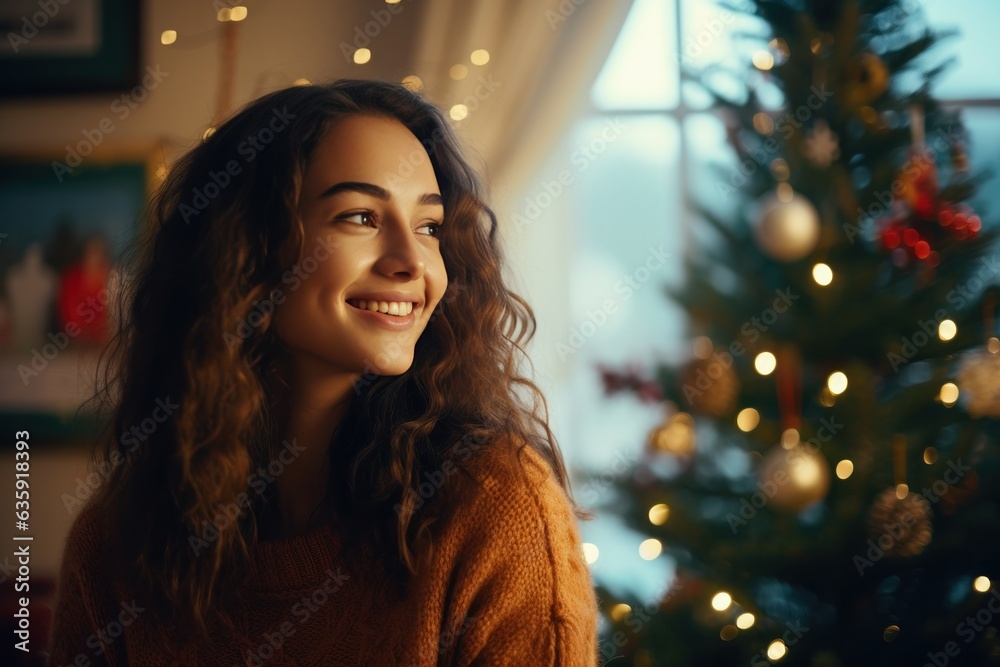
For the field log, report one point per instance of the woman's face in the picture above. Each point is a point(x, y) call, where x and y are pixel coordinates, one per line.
point(370, 204)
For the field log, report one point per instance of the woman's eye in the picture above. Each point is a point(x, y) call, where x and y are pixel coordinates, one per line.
point(435, 228)
point(368, 218)
point(359, 214)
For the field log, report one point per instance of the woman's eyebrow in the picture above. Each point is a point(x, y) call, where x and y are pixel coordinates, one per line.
point(428, 199)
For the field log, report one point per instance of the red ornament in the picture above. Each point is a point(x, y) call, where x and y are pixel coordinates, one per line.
point(614, 381)
point(921, 220)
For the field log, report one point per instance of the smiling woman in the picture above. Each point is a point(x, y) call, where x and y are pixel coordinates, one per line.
point(349, 476)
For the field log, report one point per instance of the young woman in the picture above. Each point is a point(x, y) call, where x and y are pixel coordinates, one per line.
point(318, 453)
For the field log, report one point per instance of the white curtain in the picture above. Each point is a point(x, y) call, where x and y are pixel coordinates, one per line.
point(544, 56)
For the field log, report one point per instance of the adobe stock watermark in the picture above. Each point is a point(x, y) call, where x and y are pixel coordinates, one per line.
point(967, 629)
point(363, 37)
point(404, 168)
point(590, 493)
point(391, 351)
point(102, 470)
point(482, 92)
point(464, 450)
point(248, 149)
point(751, 505)
point(102, 638)
point(636, 620)
point(581, 158)
point(47, 10)
point(122, 107)
point(752, 330)
point(302, 611)
point(761, 157)
point(945, 138)
point(927, 330)
point(896, 15)
point(711, 30)
point(88, 310)
point(627, 286)
point(794, 631)
point(565, 9)
point(449, 636)
point(229, 513)
point(293, 277)
point(401, 344)
point(896, 531)
point(6, 570)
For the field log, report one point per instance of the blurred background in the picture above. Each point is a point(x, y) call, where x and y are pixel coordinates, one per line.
point(759, 238)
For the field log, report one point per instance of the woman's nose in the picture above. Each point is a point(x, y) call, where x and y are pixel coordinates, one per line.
point(400, 252)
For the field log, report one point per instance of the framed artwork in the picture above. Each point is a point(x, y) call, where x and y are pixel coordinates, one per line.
point(62, 235)
point(76, 46)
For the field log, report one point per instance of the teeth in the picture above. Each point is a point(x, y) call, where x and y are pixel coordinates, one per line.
point(399, 308)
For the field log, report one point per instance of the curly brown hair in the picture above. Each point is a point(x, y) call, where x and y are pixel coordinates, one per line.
point(206, 264)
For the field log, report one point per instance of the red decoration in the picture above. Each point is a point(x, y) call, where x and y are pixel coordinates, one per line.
point(83, 296)
point(924, 221)
point(648, 391)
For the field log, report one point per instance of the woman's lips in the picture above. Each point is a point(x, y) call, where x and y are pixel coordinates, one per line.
point(394, 322)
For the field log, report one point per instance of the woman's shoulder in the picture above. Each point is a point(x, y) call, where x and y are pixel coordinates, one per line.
point(514, 551)
point(86, 540)
point(504, 465)
point(514, 486)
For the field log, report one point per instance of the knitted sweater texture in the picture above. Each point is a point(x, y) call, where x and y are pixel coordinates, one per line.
point(508, 585)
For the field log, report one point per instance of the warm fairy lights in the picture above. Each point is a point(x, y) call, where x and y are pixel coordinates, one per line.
point(949, 394)
point(947, 330)
point(721, 601)
point(748, 419)
point(837, 383)
point(650, 549)
point(658, 514)
point(765, 363)
point(822, 274)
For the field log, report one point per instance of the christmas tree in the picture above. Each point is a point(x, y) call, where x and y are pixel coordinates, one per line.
point(826, 477)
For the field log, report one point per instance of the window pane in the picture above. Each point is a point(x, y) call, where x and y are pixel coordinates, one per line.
point(984, 153)
point(627, 212)
point(641, 70)
point(716, 180)
point(711, 37)
point(977, 49)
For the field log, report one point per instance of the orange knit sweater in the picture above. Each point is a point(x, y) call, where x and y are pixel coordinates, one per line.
point(508, 586)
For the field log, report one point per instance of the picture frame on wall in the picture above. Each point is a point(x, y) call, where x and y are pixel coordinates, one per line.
point(60, 47)
point(61, 277)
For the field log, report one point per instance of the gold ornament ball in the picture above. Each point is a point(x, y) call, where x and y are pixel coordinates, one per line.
point(868, 78)
point(979, 383)
point(786, 230)
point(676, 436)
point(710, 386)
point(794, 479)
point(900, 528)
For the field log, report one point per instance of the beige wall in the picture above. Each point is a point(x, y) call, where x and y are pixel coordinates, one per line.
point(54, 471)
point(278, 43)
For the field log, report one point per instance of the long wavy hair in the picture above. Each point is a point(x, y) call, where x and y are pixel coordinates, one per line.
point(195, 337)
